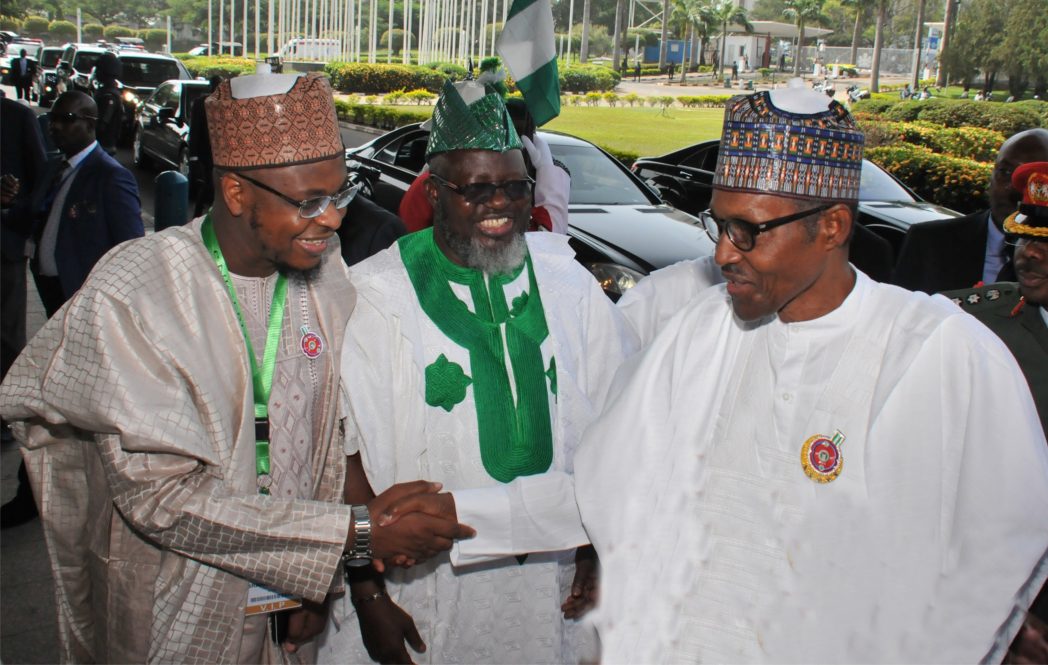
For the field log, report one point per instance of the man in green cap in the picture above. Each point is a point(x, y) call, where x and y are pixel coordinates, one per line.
point(476, 356)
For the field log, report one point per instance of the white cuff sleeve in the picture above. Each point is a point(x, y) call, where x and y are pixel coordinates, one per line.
point(531, 514)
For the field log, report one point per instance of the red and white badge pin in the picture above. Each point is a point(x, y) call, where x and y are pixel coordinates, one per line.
point(821, 457)
point(312, 344)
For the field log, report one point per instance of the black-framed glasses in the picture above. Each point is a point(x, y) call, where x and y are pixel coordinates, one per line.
point(744, 234)
point(69, 116)
point(478, 193)
point(314, 207)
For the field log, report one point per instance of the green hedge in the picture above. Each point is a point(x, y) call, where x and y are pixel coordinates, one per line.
point(448, 69)
point(974, 143)
point(382, 117)
point(223, 66)
point(380, 79)
point(953, 182)
point(703, 101)
point(1005, 118)
point(588, 78)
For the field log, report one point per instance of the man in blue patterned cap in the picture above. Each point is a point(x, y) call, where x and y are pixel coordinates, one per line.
point(800, 466)
point(477, 354)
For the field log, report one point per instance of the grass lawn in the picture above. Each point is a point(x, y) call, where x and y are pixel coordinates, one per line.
point(647, 131)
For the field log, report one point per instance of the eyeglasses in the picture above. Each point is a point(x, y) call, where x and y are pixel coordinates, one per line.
point(478, 193)
point(744, 234)
point(69, 116)
point(310, 208)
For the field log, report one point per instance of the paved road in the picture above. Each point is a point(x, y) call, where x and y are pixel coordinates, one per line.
point(27, 606)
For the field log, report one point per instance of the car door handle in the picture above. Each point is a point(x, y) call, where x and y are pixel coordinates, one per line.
point(684, 174)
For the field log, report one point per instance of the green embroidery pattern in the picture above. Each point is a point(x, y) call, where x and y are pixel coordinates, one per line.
point(515, 439)
point(445, 383)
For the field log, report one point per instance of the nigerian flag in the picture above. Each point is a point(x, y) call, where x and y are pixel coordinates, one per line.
point(529, 51)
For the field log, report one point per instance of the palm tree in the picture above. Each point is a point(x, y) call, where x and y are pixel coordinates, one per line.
point(725, 13)
point(665, 33)
point(878, 42)
point(802, 12)
point(584, 45)
point(860, 7)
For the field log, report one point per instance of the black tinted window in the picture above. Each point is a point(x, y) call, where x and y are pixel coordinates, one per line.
point(50, 58)
point(85, 62)
point(147, 72)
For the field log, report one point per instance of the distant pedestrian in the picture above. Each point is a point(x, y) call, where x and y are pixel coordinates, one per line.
point(669, 68)
point(23, 69)
point(636, 71)
point(625, 65)
point(734, 70)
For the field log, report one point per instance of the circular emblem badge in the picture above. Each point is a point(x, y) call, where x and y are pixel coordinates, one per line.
point(312, 344)
point(821, 458)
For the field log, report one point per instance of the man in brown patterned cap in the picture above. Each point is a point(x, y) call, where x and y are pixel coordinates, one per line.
point(801, 467)
point(180, 417)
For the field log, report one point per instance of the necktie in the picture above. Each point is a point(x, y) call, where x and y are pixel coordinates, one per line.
point(1007, 273)
point(56, 184)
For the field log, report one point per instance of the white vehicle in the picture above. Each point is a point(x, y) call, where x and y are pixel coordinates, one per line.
point(310, 49)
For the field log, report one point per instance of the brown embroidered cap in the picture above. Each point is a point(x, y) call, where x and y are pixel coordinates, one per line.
point(268, 120)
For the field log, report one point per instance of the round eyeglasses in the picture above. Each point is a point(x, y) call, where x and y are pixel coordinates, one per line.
point(479, 193)
point(314, 207)
point(744, 234)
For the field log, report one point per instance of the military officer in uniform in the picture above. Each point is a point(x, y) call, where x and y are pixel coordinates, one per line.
point(1018, 313)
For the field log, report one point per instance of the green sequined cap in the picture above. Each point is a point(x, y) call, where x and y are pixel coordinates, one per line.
point(483, 125)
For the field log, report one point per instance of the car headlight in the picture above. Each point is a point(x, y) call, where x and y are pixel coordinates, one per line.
point(130, 97)
point(614, 279)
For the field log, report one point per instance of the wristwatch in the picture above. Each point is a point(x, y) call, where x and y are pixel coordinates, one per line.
point(360, 554)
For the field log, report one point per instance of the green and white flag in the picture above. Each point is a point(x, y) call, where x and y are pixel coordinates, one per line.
point(530, 53)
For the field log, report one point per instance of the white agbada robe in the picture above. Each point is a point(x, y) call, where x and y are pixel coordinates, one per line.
point(498, 610)
point(715, 545)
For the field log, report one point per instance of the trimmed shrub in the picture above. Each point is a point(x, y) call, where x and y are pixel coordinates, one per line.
point(703, 101)
point(382, 117)
point(398, 40)
point(93, 31)
point(379, 79)
point(448, 69)
point(394, 97)
point(223, 66)
point(593, 98)
point(62, 31)
point(872, 106)
point(974, 143)
point(154, 38)
point(588, 78)
point(420, 97)
point(611, 98)
point(631, 98)
point(1038, 106)
point(1005, 118)
point(10, 23)
point(953, 182)
point(111, 32)
point(35, 26)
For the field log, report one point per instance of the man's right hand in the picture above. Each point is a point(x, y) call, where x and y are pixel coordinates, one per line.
point(418, 535)
point(385, 628)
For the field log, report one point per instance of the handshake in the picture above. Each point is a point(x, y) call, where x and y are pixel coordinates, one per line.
point(410, 522)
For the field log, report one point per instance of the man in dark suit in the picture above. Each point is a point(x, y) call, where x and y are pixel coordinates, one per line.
point(958, 253)
point(91, 204)
point(1018, 314)
point(22, 160)
point(23, 68)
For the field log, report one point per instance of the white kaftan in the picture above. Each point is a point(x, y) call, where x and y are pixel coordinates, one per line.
point(500, 610)
point(715, 545)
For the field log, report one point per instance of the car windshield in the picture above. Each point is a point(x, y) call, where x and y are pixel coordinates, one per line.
point(595, 179)
point(876, 185)
point(147, 72)
point(31, 50)
point(51, 57)
point(85, 62)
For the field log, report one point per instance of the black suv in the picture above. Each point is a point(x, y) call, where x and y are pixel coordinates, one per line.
point(47, 75)
point(140, 75)
point(75, 66)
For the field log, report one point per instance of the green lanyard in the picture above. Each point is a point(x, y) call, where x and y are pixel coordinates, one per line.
point(261, 379)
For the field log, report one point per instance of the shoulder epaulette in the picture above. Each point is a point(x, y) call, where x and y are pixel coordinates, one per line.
point(986, 296)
